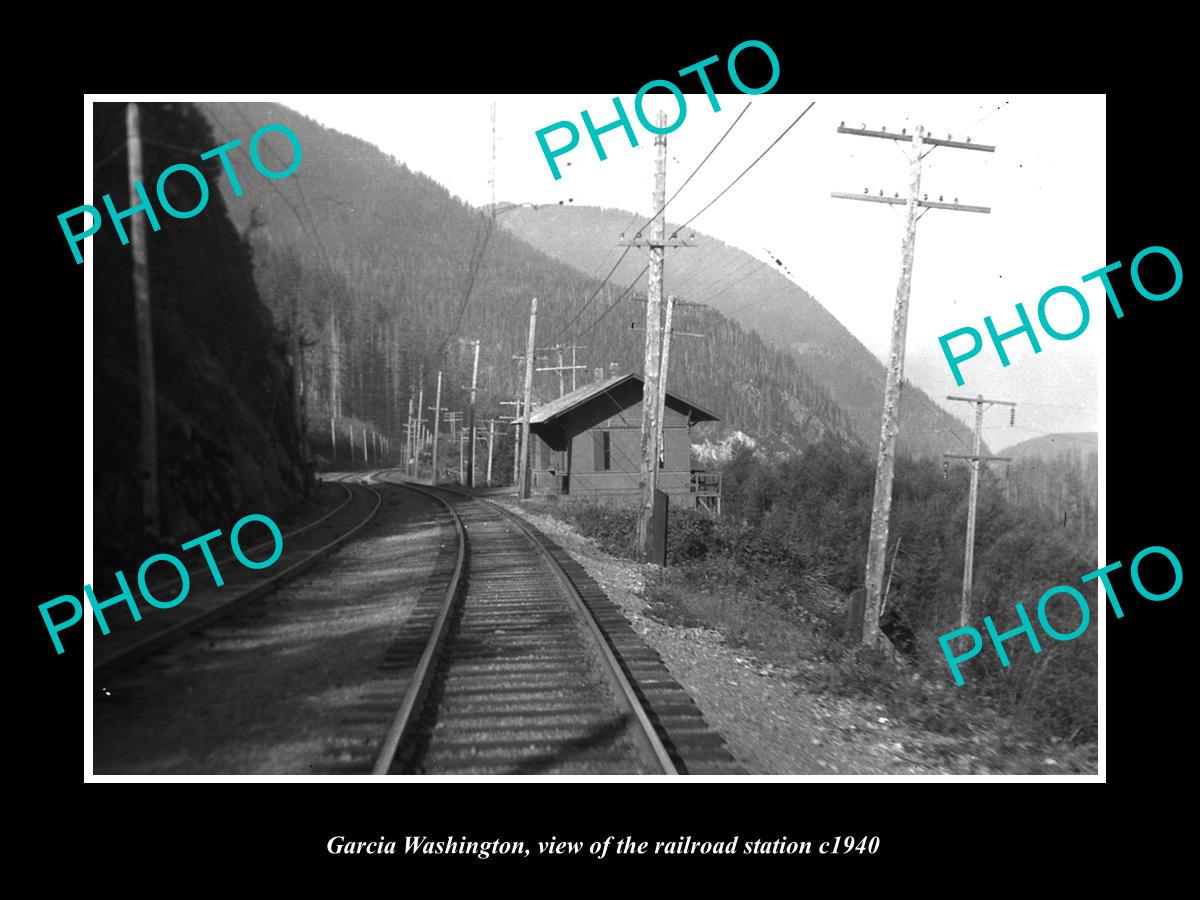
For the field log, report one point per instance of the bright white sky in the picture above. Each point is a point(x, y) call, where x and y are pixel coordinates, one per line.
point(1045, 185)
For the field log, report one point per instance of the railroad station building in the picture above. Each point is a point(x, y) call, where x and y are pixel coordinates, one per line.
point(588, 443)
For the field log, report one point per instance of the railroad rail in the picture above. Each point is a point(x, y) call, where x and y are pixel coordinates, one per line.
point(521, 665)
point(129, 645)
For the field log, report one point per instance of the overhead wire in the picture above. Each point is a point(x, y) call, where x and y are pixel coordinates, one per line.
point(613, 305)
point(660, 211)
point(595, 294)
point(472, 273)
point(749, 272)
point(697, 169)
point(747, 169)
point(730, 271)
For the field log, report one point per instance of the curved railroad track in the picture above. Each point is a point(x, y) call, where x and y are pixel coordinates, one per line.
point(521, 665)
point(131, 642)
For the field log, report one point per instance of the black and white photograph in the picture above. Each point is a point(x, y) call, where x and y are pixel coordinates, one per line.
point(711, 431)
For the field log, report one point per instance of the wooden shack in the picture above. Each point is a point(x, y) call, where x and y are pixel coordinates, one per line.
point(588, 443)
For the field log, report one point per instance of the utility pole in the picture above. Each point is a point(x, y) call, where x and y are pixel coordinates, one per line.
point(471, 416)
point(650, 418)
point(659, 448)
point(491, 446)
point(437, 422)
point(409, 438)
point(969, 558)
point(148, 444)
point(653, 349)
point(668, 332)
point(881, 507)
point(527, 400)
point(515, 421)
point(561, 368)
point(419, 437)
point(519, 358)
point(562, 385)
point(454, 433)
point(492, 169)
point(573, 348)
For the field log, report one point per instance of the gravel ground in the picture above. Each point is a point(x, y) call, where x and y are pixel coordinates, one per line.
point(771, 724)
point(265, 691)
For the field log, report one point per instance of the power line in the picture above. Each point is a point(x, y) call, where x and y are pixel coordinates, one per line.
point(695, 170)
point(1022, 428)
point(595, 294)
point(724, 280)
point(881, 504)
point(986, 115)
point(1057, 405)
point(613, 305)
point(299, 190)
point(747, 169)
point(751, 303)
point(625, 252)
point(472, 272)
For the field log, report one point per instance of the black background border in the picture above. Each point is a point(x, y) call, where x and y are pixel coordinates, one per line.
point(287, 830)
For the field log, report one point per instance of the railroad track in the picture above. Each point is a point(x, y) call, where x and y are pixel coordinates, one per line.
point(521, 665)
point(131, 642)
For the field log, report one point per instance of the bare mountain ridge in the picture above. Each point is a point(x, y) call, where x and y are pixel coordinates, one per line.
point(1049, 446)
point(758, 298)
point(1058, 473)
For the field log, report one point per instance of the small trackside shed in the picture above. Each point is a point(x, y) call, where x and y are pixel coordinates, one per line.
point(588, 443)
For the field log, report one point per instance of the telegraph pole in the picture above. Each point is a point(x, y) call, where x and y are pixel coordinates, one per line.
point(662, 380)
point(491, 446)
point(574, 368)
point(523, 475)
point(561, 368)
point(437, 422)
point(471, 418)
point(668, 332)
point(419, 438)
point(882, 503)
point(653, 348)
point(515, 421)
point(969, 558)
point(408, 438)
point(657, 244)
point(148, 444)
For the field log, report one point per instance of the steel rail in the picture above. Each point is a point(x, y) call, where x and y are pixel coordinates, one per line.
point(644, 735)
point(418, 685)
point(200, 570)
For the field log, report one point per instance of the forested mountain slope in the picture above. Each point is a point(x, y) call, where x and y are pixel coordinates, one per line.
point(758, 298)
point(1059, 473)
point(387, 269)
point(228, 444)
